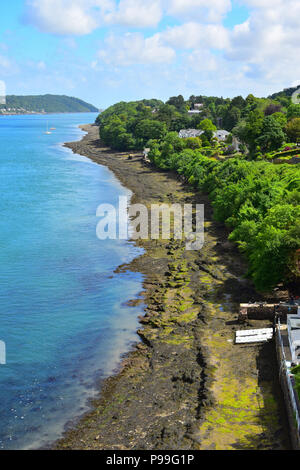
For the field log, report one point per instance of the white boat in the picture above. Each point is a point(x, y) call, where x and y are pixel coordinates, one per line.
point(47, 131)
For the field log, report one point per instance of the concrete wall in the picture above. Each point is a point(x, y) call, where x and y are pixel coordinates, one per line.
point(291, 400)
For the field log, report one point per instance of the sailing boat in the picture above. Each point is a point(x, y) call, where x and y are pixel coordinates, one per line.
point(52, 128)
point(48, 132)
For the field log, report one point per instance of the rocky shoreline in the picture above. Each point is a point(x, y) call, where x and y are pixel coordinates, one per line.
point(185, 385)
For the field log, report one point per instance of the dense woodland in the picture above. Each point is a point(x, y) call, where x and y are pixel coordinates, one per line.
point(48, 104)
point(257, 198)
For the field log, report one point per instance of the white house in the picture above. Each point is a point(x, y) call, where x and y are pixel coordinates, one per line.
point(221, 135)
point(194, 111)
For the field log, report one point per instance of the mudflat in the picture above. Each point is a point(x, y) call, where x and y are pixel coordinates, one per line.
point(185, 385)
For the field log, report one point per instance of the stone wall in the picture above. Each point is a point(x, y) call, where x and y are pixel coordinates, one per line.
point(266, 311)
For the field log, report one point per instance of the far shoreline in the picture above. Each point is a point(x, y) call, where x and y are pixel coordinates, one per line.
point(46, 114)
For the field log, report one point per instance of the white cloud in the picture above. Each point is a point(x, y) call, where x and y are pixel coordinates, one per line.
point(137, 13)
point(202, 61)
point(67, 17)
point(41, 65)
point(133, 48)
point(4, 62)
point(268, 42)
point(8, 67)
point(80, 17)
point(259, 55)
point(263, 49)
point(203, 10)
point(193, 35)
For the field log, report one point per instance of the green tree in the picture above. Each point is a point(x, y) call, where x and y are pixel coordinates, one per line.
point(176, 142)
point(293, 111)
point(167, 113)
point(207, 125)
point(148, 129)
point(281, 118)
point(238, 102)
point(274, 246)
point(181, 122)
point(209, 128)
point(253, 128)
point(272, 135)
point(193, 143)
point(124, 141)
point(251, 104)
point(232, 118)
point(177, 101)
point(293, 130)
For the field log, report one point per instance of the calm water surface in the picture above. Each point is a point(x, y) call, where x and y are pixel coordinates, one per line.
point(62, 309)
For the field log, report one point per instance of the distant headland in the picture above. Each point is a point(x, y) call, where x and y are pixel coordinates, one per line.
point(43, 104)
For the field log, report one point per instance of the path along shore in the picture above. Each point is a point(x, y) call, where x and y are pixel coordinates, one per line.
point(185, 385)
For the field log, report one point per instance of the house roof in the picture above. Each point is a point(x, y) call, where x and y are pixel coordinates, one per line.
point(221, 133)
point(185, 133)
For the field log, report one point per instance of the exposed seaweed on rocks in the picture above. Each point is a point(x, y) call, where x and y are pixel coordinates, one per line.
point(185, 385)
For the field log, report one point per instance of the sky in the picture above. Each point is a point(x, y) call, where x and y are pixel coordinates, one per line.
point(104, 51)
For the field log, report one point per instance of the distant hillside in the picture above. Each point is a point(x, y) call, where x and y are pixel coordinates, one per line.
point(284, 96)
point(47, 104)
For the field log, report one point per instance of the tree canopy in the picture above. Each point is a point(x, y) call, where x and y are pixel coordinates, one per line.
point(257, 200)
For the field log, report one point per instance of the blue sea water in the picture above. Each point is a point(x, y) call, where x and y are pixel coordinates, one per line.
point(63, 312)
